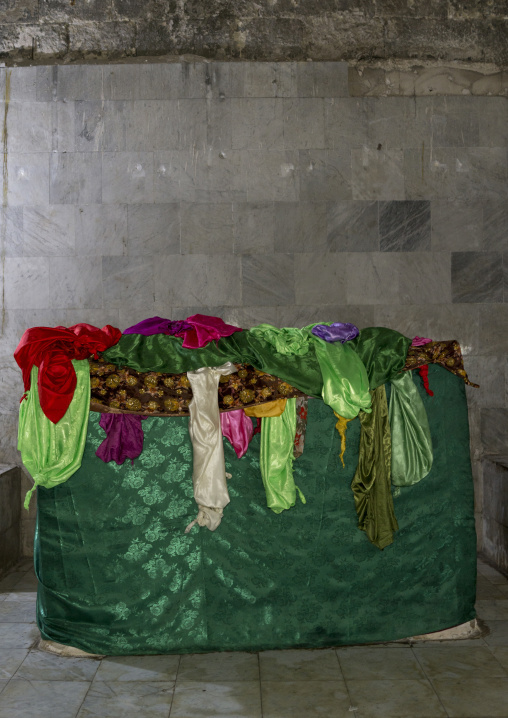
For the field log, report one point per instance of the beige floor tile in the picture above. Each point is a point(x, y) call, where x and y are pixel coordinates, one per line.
point(41, 666)
point(122, 700)
point(498, 634)
point(237, 699)
point(42, 699)
point(306, 699)
point(379, 663)
point(456, 661)
point(138, 668)
point(495, 610)
point(219, 667)
point(10, 661)
point(300, 665)
point(474, 697)
point(395, 699)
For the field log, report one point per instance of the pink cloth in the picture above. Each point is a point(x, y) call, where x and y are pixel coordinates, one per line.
point(238, 429)
point(206, 329)
point(420, 341)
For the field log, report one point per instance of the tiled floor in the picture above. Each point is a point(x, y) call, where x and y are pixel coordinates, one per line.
point(466, 679)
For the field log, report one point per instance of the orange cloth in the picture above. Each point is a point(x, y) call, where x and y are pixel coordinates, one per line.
point(271, 408)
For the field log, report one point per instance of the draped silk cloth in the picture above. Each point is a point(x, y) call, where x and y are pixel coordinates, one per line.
point(341, 427)
point(336, 332)
point(158, 325)
point(238, 430)
point(52, 351)
point(208, 473)
point(276, 459)
point(197, 331)
point(411, 443)
point(382, 351)
point(271, 408)
point(371, 482)
point(124, 437)
point(53, 452)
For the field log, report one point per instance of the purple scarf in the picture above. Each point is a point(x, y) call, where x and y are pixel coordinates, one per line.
point(124, 438)
point(338, 332)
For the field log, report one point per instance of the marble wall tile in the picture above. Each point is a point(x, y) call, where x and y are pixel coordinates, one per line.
point(395, 123)
point(300, 226)
point(153, 229)
point(454, 121)
point(89, 125)
point(26, 282)
point(372, 278)
point(493, 327)
point(377, 174)
point(143, 82)
point(325, 175)
point(269, 175)
point(495, 225)
point(127, 177)
point(404, 226)
point(493, 112)
point(197, 279)
point(254, 227)
point(23, 134)
point(23, 82)
point(75, 282)
point(490, 373)
point(322, 79)
point(128, 282)
point(27, 178)
point(219, 130)
point(424, 278)
point(257, 123)
point(304, 123)
point(63, 119)
point(320, 279)
point(75, 178)
point(431, 175)
point(494, 430)
point(101, 229)
point(248, 317)
point(263, 79)
point(455, 321)
point(69, 82)
point(408, 320)
point(345, 123)
point(48, 230)
point(11, 231)
point(207, 228)
point(353, 226)
point(302, 315)
point(456, 225)
point(268, 279)
point(482, 173)
point(193, 134)
point(477, 277)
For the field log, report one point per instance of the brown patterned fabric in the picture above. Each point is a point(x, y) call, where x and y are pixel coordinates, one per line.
point(447, 354)
point(117, 389)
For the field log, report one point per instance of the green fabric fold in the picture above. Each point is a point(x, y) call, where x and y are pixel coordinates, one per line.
point(382, 351)
point(410, 431)
point(53, 452)
point(371, 482)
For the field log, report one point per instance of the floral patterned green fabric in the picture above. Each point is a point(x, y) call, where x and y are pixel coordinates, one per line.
point(118, 575)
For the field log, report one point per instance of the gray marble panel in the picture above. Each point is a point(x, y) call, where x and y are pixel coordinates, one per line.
point(69, 82)
point(345, 122)
point(75, 178)
point(495, 225)
point(150, 699)
point(269, 175)
point(302, 315)
point(101, 229)
point(377, 174)
point(453, 121)
point(254, 227)
point(300, 226)
point(75, 282)
point(455, 321)
point(11, 231)
point(325, 175)
point(404, 226)
point(27, 178)
point(143, 82)
point(494, 329)
point(10, 660)
point(63, 127)
point(127, 177)
point(395, 123)
point(22, 81)
point(193, 133)
point(45, 699)
point(353, 226)
point(17, 635)
point(207, 228)
point(138, 668)
point(89, 126)
point(456, 225)
point(263, 79)
point(489, 372)
point(26, 283)
point(198, 280)
point(248, 317)
point(40, 666)
point(23, 134)
point(304, 123)
point(408, 320)
point(257, 123)
point(372, 278)
point(219, 132)
point(320, 279)
point(48, 230)
point(424, 278)
point(482, 173)
point(128, 282)
point(322, 79)
point(268, 279)
point(431, 175)
point(477, 277)
point(223, 698)
point(493, 114)
point(153, 229)
point(494, 432)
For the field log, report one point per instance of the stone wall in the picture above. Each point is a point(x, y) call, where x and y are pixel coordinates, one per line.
point(278, 192)
point(10, 509)
point(469, 30)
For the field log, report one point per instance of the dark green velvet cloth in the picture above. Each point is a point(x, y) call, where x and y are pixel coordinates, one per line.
point(118, 575)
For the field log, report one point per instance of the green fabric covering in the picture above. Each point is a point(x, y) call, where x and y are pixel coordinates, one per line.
point(372, 483)
point(276, 458)
point(383, 352)
point(409, 427)
point(118, 575)
point(53, 452)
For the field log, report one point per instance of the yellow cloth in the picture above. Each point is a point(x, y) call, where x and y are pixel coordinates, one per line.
point(341, 427)
point(271, 408)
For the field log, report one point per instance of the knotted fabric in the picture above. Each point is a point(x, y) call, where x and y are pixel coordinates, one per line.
point(197, 331)
point(124, 437)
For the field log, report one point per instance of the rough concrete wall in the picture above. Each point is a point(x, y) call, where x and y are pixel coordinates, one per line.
point(470, 30)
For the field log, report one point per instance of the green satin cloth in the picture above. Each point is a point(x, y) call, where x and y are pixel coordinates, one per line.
point(371, 482)
point(409, 426)
point(382, 351)
point(53, 452)
point(276, 459)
